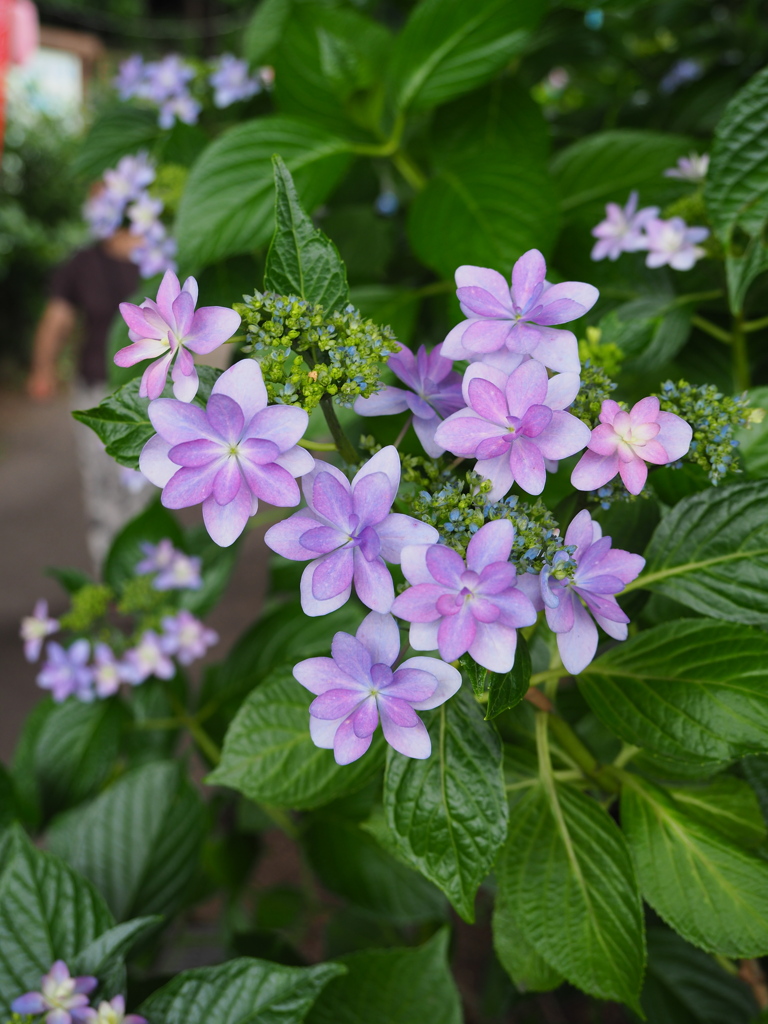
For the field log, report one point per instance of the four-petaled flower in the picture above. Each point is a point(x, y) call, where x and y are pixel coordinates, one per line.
point(672, 242)
point(113, 1012)
point(35, 628)
point(186, 637)
point(349, 532)
point(520, 321)
point(457, 608)
point(690, 168)
point(435, 393)
point(170, 327)
point(175, 569)
point(65, 671)
point(358, 685)
point(624, 441)
point(229, 455)
point(513, 424)
point(108, 671)
point(148, 659)
point(622, 230)
point(61, 998)
point(232, 81)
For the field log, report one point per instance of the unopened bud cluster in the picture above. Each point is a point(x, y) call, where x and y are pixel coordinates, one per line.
point(714, 418)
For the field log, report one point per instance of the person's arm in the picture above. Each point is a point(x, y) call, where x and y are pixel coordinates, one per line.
point(51, 336)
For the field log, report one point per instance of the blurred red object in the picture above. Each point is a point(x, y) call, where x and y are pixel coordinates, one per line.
point(19, 38)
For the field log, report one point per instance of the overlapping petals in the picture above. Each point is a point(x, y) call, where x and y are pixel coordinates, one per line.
point(229, 455)
point(622, 230)
point(35, 628)
point(61, 998)
point(358, 685)
point(349, 532)
point(169, 330)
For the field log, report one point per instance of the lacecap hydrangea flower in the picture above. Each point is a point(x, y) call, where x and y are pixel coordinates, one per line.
point(35, 628)
point(186, 637)
point(112, 1012)
point(672, 243)
point(232, 81)
point(691, 168)
point(358, 685)
point(175, 569)
point(148, 658)
point(61, 998)
point(109, 671)
point(66, 672)
point(622, 230)
point(349, 532)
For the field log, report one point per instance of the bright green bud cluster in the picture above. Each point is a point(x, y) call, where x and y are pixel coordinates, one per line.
point(603, 355)
point(168, 185)
point(713, 417)
point(89, 604)
point(596, 384)
point(306, 353)
point(140, 597)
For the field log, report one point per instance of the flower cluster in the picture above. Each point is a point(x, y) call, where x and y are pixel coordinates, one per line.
point(175, 570)
point(306, 353)
point(64, 1000)
point(123, 198)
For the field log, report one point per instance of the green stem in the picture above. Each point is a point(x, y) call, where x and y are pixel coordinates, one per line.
point(605, 776)
point(317, 446)
point(712, 329)
point(344, 446)
point(754, 325)
point(198, 733)
point(740, 356)
point(282, 819)
point(159, 724)
point(412, 174)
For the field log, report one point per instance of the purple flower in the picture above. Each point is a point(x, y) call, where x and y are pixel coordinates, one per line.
point(131, 176)
point(166, 78)
point(518, 321)
point(108, 671)
point(682, 71)
point(179, 108)
point(689, 168)
point(132, 480)
point(104, 213)
point(357, 685)
point(672, 242)
point(66, 672)
point(170, 327)
point(176, 570)
point(113, 1012)
point(437, 394)
point(130, 77)
point(35, 628)
point(61, 998)
point(457, 608)
point(622, 229)
point(600, 573)
point(229, 455)
point(143, 213)
point(513, 424)
point(231, 81)
point(624, 441)
point(349, 533)
point(148, 659)
point(155, 254)
point(186, 637)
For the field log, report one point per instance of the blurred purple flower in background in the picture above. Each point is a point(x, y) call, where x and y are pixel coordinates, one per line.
point(61, 998)
point(184, 108)
point(143, 213)
point(147, 659)
point(35, 628)
point(622, 229)
point(156, 254)
point(166, 78)
point(113, 1012)
point(682, 71)
point(232, 81)
point(131, 176)
point(65, 672)
point(175, 569)
point(691, 168)
point(130, 76)
point(186, 637)
point(357, 685)
point(108, 671)
point(673, 243)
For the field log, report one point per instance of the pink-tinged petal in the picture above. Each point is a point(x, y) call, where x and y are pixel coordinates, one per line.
point(210, 327)
point(166, 294)
point(314, 606)
point(484, 609)
point(196, 453)
point(561, 617)
point(483, 336)
point(644, 432)
point(609, 410)
point(373, 583)
point(515, 607)
point(562, 390)
point(448, 680)
point(154, 378)
point(623, 564)
point(496, 578)
point(634, 474)
point(525, 337)
point(227, 482)
point(411, 742)
point(183, 311)
point(411, 684)
point(644, 411)
point(398, 711)
point(485, 372)
point(154, 462)
point(616, 630)
point(353, 657)
point(178, 422)
point(59, 1016)
point(386, 402)
point(285, 537)
point(244, 384)
point(425, 431)
point(675, 435)
point(271, 483)
point(419, 604)
point(580, 533)
point(335, 704)
point(558, 350)
point(593, 471)
point(527, 465)
point(332, 500)
point(85, 984)
point(604, 439)
point(456, 633)
point(189, 486)
point(499, 472)
point(463, 431)
point(323, 539)
point(488, 401)
point(30, 1003)
point(492, 543)
point(320, 674)
point(144, 323)
point(492, 447)
point(399, 530)
point(652, 452)
point(296, 460)
point(184, 377)
point(413, 559)
point(504, 360)
point(604, 604)
point(527, 386)
point(347, 746)
point(323, 733)
point(481, 303)
point(453, 347)
point(308, 481)
point(257, 450)
point(386, 461)
point(536, 419)
point(371, 499)
point(527, 274)
point(565, 435)
point(422, 636)
point(527, 583)
point(140, 350)
point(190, 285)
point(489, 280)
point(226, 417)
point(366, 718)
point(225, 523)
point(445, 565)
point(332, 575)
point(380, 635)
point(567, 301)
point(494, 647)
point(577, 647)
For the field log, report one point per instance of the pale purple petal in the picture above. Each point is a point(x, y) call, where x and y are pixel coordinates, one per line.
point(411, 684)
point(285, 425)
point(225, 523)
point(565, 435)
point(243, 383)
point(558, 350)
point(490, 280)
point(30, 1003)
point(593, 471)
point(492, 543)
point(320, 674)
point(226, 417)
point(336, 703)
point(271, 483)
point(516, 608)
point(347, 746)
point(423, 635)
point(210, 327)
point(453, 347)
point(140, 350)
point(373, 583)
point(445, 565)
point(166, 294)
point(448, 680)
point(675, 435)
point(499, 472)
point(179, 421)
point(525, 387)
point(419, 604)
point(332, 575)
point(527, 274)
point(381, 636)
point(227, 482)
point(567, 301)
point(322, 732)
point(386, 402)
point(154, 378)
point(456, 633)
point(463, 431)
point(580, 532)
point(414, 563)
point(488, 401)
point(562, 390)
point(412, 742)
point(527, 465)
point(483, 336)
point(190, 485)
point(634, 474)
point(332, 500)
point(366, 717)
point(296, 460)
point(425, 431)
point(386, 461)
point(371, 499)
point(478, 302)
point(494, 646)
point(577, 647)
point(285, 537)
point(353, 658)
point(314, 606)
point(496, 578)
point(561, 617)
point(154, 462)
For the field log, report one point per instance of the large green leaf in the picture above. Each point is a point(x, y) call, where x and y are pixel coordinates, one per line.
point(116, 132)
point(47, 912)
point(713, 892)
point(449, 47)
point(710, 552)
point(269, 755)
point(519, 958)
point(301, 259)
point(228, 203)
point(728, 804)
point(447, 815)
point(736, 190)
point(139, 841)
point(753, 439)
point(104, 957)
point(239, 991)
point(650, 331)
point(567, 876)
point(266, 28)
point(381, 986)
point(694, 689)
point(484, 207)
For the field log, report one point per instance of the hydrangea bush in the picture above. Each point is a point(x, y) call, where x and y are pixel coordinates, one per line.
point(511, 671)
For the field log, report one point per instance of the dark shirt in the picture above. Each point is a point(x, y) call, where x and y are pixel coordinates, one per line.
point(94, 283)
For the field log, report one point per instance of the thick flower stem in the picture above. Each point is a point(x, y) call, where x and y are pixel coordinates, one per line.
point(343, 444)
point(603, 775)
point(740, 356)
point(198, 733)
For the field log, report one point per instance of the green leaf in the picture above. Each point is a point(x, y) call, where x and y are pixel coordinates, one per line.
point(301, 259)
point(567, 876)
point(266, 28)
point(239, 991)
point(350, 862)
point(693, 689)
point(447, 815)
point(736, 188)
point(71, 580)
point(104, 957)
point(484, 207)
point(139, 841)
point(269, 755)
point(710, 552)
point(683, 985)
point(47, 912)
point(727, 804)
point(388, 304)
point(714, 893)
point(228, 203)
point(152, 525)
point(753, 439)
point(506, 691)
point(7, 798)
point(448, 48)
point(650, 331)
point(117, 132)
point(744, 263)
point(528, 969)
point(380, 986)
